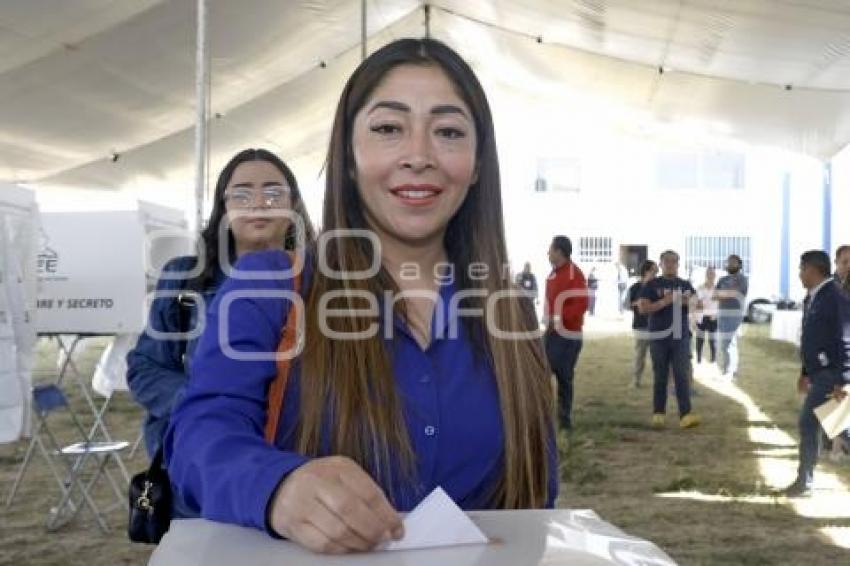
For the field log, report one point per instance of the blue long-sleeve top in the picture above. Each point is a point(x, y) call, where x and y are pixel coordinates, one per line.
point(220, 464)
point(157, 367)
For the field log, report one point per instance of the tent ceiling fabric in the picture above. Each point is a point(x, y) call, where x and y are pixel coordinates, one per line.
point(779, 42)
point(85, 78)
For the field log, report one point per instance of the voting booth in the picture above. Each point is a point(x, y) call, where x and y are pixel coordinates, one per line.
point(95, 268)
point(90, 277)
point(18, 230)
point(95, 271)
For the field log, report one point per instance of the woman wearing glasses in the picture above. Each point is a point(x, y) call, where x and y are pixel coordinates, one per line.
point(256, 200)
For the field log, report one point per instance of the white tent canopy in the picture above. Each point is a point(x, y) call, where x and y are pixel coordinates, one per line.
point(83, 79)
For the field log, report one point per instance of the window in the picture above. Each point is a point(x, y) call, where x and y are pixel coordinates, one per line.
point(712, 251)
point(594, 249)
point(723, 170)
point(562, 174)
point(706, 170)
point(677, 170)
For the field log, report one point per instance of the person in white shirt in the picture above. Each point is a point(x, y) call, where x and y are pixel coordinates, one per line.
point(706, 316)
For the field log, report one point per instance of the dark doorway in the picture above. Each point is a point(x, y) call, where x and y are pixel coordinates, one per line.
point(632, 257)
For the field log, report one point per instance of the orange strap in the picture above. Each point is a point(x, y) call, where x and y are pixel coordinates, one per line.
point(277, 390)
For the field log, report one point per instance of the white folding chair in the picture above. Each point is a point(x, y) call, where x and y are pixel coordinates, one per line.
point(67, 366)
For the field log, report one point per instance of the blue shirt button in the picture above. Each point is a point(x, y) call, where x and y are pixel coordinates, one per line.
point(430, 430)
point(426, 378)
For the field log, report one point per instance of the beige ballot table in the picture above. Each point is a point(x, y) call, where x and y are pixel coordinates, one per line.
point(518, 538)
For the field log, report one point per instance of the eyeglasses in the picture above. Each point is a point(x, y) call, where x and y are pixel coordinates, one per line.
point(270, 197)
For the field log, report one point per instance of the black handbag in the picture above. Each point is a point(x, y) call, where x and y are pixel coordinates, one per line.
point(150, 503)
point(150, 491)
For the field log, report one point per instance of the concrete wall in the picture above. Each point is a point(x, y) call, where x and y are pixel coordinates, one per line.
point(619, 198)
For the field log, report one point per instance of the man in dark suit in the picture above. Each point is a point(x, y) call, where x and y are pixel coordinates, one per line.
point(824, 349)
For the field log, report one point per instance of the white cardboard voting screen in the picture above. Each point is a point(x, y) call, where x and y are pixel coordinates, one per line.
point(18, 227)
point(95, 268)
point(91, 272)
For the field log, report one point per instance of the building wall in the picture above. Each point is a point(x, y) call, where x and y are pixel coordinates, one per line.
point(841, 198)
point(619, 197)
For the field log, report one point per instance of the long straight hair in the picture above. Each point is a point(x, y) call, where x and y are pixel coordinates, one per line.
point(208, 242)
point(349, 385)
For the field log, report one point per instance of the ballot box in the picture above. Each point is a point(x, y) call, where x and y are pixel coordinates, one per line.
point(549, 537)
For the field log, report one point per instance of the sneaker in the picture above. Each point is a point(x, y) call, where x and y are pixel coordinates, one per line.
point(797, 489)
point(689, 421)
point(658, 420)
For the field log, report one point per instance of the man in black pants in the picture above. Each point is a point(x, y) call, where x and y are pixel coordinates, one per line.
point(665, 299)
point(824, 348)
point(566, 303)
point(640, 322)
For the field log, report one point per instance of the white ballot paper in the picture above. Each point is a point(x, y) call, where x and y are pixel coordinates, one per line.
point(437, 521)
point(834, 416)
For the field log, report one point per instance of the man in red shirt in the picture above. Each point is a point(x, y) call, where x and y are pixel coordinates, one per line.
point(566, 303)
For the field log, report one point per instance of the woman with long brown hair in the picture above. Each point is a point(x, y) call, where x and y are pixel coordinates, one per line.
point(420, 368)
point(255, 197)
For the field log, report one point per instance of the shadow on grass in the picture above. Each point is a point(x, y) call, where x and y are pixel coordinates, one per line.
point(615, 463)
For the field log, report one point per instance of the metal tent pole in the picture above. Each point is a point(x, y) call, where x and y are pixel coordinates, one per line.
point(363, 29)
point(202, 72)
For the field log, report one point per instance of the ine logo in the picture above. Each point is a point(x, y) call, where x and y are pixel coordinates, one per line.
point(48, 258)
point(48, 261)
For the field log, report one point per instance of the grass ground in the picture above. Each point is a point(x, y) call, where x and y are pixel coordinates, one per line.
point(702, 494)
point(23, 538)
